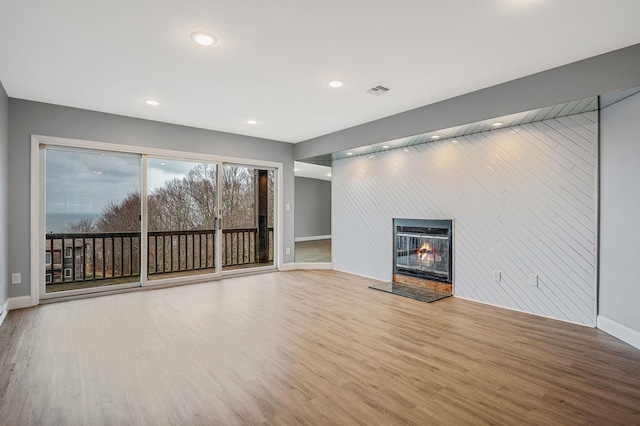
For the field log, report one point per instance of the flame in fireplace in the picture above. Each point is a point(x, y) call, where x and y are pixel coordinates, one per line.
point(425, 253)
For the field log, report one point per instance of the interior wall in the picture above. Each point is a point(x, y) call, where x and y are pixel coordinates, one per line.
point(619, 214)
point(27, 118)
point(4, 184)
point(313, 207)
point(523, 200)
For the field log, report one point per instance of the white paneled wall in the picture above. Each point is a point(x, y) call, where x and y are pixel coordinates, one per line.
point(523, 200)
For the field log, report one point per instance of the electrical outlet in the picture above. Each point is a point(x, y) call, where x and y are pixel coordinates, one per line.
point(496, 276)
point(287, 251)
point(16, 278)
point(533, 280)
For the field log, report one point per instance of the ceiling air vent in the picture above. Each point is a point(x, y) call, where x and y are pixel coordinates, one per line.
point(378, 90)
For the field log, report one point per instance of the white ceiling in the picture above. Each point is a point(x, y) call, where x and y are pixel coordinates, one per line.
point(274, 58)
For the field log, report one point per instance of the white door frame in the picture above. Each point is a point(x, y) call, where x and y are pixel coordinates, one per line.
point(37, 268)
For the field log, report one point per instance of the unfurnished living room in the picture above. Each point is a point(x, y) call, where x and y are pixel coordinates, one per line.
point(328, 213)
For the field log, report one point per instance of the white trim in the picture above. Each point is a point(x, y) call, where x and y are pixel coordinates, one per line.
point(144, 236)
point(89, 290)
point(189, 279)
point(37, 239)
point(313, 265)
point(3, 313)
point(278, 250)
point(317, 237)
point(241, 271)
point(37, 223)
point(18, 303)
point(525, 312)
point(364, 276)
point(287, 267)
point(619, 331)
point(153, 152)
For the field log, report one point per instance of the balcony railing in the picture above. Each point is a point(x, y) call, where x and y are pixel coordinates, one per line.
point(78, 257)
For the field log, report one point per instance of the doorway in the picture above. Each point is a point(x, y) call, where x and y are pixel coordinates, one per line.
point(196, 217)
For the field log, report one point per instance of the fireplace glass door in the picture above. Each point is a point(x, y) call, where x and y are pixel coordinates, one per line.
point(423, 253)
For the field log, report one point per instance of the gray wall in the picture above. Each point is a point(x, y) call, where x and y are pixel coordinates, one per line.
point(4, 184)
point(620, 213)
point(590, 77)
point(27, 118)
point(313, 207)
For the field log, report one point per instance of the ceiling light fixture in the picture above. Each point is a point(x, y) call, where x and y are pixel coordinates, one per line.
point(435, 137)
point(385, 147)
point(335, 84)
point(498, 124)
point(349, 154)
point(151, 102)
point(203, 39)
point(251, 122)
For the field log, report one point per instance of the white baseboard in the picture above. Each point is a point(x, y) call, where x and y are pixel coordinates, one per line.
point(19, 303)
point(314, 265)
point(305, 265)
point(363, 276)
point(317, 237)
point(619, 331)
point(287, 267)
point(526, 312)
point(3, 313)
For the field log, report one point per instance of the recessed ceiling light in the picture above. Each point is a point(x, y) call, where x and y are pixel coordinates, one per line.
point(163, 164)
point(151, 102)
point(335, 84)
point(498, 124)
point(203, 39)
point(385, 147)
point(329, 174)
point(251, 122)
point(435, 137)
point(349, 154)
point(406, 150)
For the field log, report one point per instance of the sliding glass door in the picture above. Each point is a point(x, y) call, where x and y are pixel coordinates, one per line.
point(114, 219)
point(182, 218)
point(247, 207)
point(92, 219)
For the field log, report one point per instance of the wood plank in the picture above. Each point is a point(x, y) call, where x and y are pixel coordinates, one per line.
point(306, 347)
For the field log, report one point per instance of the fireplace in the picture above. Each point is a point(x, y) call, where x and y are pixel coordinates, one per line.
point(423, 249)
point(422, 259)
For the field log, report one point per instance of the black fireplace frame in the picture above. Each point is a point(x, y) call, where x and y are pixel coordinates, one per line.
point(427, 227)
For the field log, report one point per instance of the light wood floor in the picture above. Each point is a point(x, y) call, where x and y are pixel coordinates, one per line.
point(313, 251)
point(306, 347)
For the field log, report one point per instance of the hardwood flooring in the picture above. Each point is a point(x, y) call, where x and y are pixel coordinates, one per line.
point(306, 347)
point(313, 251)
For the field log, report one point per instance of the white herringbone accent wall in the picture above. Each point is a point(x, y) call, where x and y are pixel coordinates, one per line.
point(523, 200)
